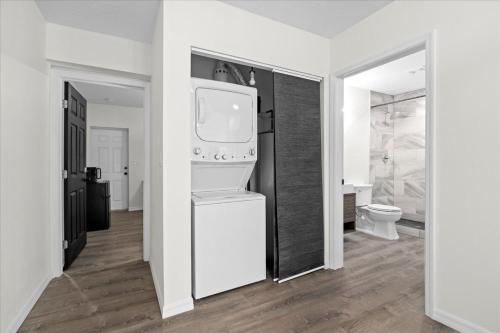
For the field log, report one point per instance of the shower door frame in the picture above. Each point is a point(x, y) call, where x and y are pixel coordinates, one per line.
point(336, 139)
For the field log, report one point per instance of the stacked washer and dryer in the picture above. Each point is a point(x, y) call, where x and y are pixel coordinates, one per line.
point(228, 222)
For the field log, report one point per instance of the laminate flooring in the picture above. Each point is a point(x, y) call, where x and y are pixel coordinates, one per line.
point(109, 289)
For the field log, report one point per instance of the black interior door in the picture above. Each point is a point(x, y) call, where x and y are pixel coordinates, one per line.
point(75, 187)
point(298, 175)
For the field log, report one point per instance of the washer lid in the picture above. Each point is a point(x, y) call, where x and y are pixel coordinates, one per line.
point(384, 208)
point(208, 198)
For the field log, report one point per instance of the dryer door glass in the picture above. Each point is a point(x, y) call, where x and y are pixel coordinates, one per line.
point(223, 116)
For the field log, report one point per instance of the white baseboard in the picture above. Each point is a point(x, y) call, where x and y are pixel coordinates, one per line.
point(25, 310)
point(172, 309)
point(457, 323)
point(133, 209)
point(178, 307)
point(159, 293)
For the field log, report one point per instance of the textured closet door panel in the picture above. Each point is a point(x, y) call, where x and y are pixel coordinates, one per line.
point(299, 192)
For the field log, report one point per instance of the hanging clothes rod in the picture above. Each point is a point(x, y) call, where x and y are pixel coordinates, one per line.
point(398, 101)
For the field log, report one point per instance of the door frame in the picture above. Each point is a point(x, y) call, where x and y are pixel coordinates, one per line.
point(59, 73)
point(427, 43)
point(126, 130)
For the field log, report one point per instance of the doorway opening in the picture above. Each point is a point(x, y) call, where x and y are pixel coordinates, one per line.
point(111, 151)
point(382, 167)
point(104, 157)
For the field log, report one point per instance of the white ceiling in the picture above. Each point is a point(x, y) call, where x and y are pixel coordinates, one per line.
point(394, 78)
point(132, 19)
point(111, 95)
point(325, 18)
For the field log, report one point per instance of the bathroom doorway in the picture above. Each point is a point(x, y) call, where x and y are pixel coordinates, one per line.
point(382, 175)
point(384, 149)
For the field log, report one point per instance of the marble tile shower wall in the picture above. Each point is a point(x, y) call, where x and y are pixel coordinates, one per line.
point(397, 152)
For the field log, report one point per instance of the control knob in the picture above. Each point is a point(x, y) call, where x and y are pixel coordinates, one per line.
point(197, 151)
point(224, 157)
point(217, 157)
point(252, 151)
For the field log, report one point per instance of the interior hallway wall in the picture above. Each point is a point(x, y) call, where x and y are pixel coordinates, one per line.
point(219, 27)
point(157, 229)
point(114, 116)
point(76, 46)
point(466, 139)
point(25, 248)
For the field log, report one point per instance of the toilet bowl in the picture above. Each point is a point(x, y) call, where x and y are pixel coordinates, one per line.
point(374, 219)
point(378, 220)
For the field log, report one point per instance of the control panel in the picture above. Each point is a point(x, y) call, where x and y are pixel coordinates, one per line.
point(214, 153)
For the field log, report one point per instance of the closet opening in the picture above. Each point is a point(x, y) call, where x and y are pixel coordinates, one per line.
point(287, 170)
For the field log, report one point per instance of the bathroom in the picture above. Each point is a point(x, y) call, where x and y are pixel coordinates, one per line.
point(385, 150)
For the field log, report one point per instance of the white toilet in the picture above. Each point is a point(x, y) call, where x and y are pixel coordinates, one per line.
point(374, 219)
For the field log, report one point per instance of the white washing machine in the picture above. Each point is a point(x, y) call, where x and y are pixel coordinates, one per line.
point(229, 241)
point(228, 223)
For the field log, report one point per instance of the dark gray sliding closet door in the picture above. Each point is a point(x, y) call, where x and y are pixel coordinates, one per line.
point(299, 192)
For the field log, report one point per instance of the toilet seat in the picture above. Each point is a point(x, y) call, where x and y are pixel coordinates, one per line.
point(384, 208)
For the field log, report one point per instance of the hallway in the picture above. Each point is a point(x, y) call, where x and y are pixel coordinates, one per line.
point(108, 285)
point(109, 289)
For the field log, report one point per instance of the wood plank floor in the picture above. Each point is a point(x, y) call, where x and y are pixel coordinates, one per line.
point(109, 289)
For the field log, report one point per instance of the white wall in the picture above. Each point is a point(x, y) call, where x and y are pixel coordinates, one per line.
point(223, 28)
point(103, 115)
point(82, 47)
point(156, 172)
point(466, 137)
point(356, 135)
point(25, 257)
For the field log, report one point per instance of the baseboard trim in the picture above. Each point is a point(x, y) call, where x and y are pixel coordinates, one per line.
point(178, 307)
point(159, 293)
point(457, 323)
point(25, 310)
point(172, 309)
point(133, 209)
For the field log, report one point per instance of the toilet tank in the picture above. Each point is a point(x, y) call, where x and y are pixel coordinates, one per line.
point(363, 194)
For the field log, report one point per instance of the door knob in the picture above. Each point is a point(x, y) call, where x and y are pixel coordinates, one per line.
point(125, 173)
point(126, 168)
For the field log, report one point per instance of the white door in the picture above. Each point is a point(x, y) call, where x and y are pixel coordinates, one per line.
point(109, 151)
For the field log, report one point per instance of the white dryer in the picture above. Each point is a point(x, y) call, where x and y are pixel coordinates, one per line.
point(228, 222)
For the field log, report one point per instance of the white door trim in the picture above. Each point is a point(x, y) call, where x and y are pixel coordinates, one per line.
point(427, 43)
point(127, 135)
point(58, 74)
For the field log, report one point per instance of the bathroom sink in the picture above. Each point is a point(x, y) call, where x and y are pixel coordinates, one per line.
point(348, 188)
